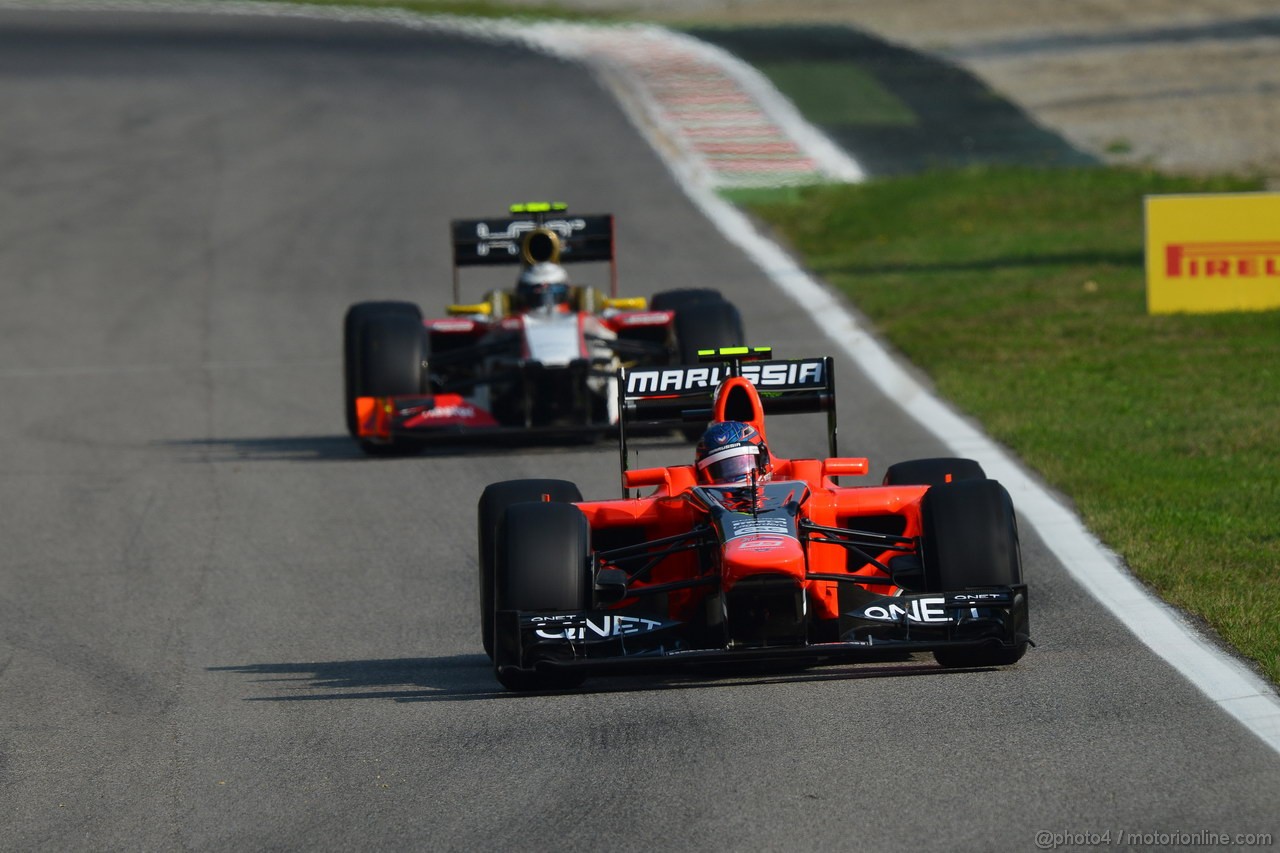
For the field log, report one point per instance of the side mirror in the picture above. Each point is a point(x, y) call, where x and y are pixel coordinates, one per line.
point(635, 478)
point(845, 466)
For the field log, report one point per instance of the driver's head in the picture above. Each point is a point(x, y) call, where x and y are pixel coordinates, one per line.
point(729, 451)
point(542, 285)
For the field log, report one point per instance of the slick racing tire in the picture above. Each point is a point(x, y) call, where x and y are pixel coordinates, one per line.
point(385, 352)
point(355, 319)
point(703, 323)
point(543, 563)
point(707, 325)
point(493, 504)
point(674, 300)
point(969, 539)
point(704, 319)
point(933, 472)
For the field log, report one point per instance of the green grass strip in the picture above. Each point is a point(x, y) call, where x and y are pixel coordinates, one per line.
point(468, 9)
point(1021, 292)
point(833, 94)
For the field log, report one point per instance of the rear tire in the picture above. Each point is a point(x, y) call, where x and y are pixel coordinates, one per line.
point(707, 325)
point(674, 300)
point(933, 472)
point(703, 323)
point(969, 540)
point(492, 506)
point(543, 563)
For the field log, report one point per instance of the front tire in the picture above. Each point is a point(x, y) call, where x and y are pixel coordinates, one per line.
point(543, 563)
point(494, 501)
point(352, 325)
point(385, 353)
point(969, 540)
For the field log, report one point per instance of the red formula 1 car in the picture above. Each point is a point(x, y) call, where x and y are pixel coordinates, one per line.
point(781, 565)
point(541, 357)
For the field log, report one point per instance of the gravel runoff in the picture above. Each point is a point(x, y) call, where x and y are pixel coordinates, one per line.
point(1190, 87)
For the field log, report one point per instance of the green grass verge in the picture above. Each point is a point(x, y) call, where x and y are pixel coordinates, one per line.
point(468, 8)
point(1021, 292)
point(838, 93)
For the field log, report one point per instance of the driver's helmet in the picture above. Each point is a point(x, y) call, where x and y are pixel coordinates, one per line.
point(543, 285)
point(729, 451)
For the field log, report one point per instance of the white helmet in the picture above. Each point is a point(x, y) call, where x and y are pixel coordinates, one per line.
point(542, 284)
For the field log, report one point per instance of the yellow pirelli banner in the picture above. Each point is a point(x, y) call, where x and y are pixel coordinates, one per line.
point(1208, 253)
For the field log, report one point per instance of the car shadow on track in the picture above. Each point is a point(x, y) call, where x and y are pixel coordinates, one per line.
point(340, 448)
point(283, 448)
point(455, 678)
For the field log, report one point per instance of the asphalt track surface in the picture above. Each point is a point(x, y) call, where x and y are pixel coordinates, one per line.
point(221, 627)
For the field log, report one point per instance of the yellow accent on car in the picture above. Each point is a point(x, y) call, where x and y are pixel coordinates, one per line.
point(478, 308)
point(732, 351)
point(539, 207)
point(627, 303)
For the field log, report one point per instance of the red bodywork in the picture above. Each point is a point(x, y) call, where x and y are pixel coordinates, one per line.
point(671, 510)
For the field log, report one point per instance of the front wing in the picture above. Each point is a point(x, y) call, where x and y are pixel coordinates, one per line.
point(453, 416)
point(871, 627)
point(447, 418)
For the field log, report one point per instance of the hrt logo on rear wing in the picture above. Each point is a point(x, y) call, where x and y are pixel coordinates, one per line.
point(535, 233)
point(488, 242)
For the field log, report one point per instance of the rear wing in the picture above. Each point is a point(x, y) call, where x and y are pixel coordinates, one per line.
point(682, 394)
point(533, 234)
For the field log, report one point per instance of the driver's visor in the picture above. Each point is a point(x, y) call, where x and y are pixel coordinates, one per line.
point(729, 464)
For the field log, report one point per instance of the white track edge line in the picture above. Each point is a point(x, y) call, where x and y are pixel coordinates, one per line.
point(1224, 679)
